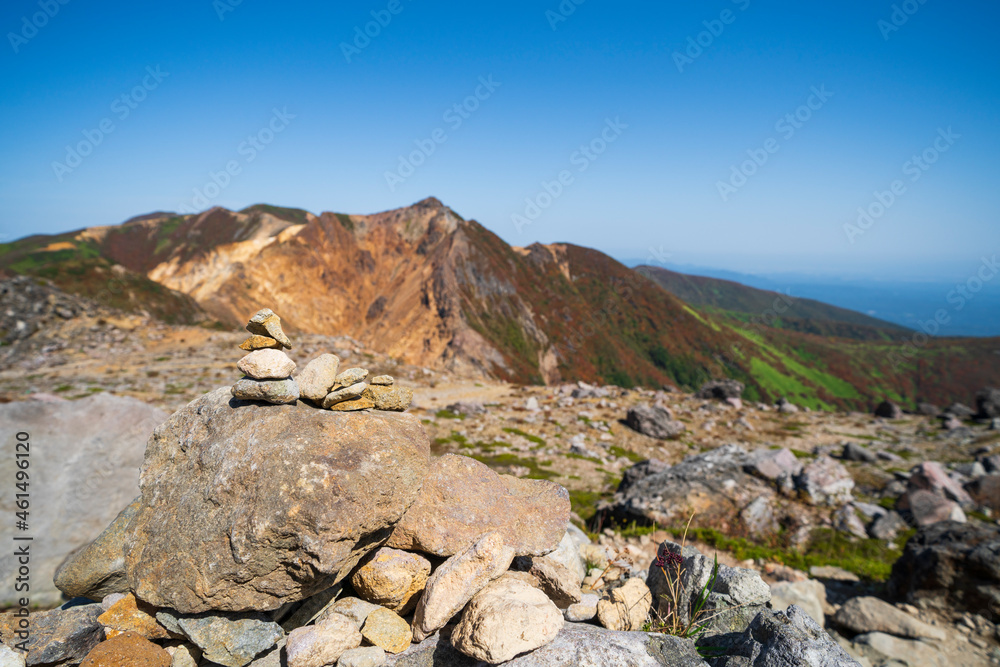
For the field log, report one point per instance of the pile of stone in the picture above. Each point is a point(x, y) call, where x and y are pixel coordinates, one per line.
point(270, 535)
point(268, 377)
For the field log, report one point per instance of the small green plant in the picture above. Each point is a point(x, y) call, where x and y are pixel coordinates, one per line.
point(527, 436)
point(448, 414)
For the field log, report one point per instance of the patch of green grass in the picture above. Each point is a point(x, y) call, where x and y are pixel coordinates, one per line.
point(346, 221)
point(615, 450)
point(800, 454)
point(581, 457)
point(162, 359)
point(531, 438)
point(584, 503)
point(448, 414)
point(63, 387)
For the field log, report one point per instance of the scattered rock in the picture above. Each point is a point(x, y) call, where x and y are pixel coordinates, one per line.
point(355, 609)
point(128, 615)
point(382, 381)
point(654, 421)
point(846, 520)
point(392, 578)
point(825, 482)
point(349, 377)
point(887, 526)
point(892, 651)
point(568, 552)
point(363, 403)
point(10, 658)
point(584, 610)
point(385, 629)
point(348, 393)
point(457, 580)
point(229, 639)
point(278, 392)
point(318, 377)
point(555, 579)
point(931, 476)
point(127, 650)
point(232, 510)
point(985, 491)
point(780, 639)
point(625, 607)
point(869, 614)
point(461, 498)
point(808, 595)
point(506, 618)
point(98, 569)
point(721, 389)
point(785, 407)
point(396, 399)
point(57, 637)
point(928, 409)
point(833, 573)
point(366, 656)
point(855, 452)
point(323, 643)
point(952, 566)
point(959, 410)
point(888, 410)
point(988, 403)
point(773, 464)
point(466, 409)
point(266, 323)
point(926, 508)
point(266, 365)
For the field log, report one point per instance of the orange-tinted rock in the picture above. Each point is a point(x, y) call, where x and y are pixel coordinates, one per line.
point(127, 650)
point(127, 615)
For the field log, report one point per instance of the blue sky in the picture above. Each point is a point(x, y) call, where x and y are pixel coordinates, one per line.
point(664, 130)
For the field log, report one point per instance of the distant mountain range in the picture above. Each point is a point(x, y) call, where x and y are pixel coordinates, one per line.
point(424, 284)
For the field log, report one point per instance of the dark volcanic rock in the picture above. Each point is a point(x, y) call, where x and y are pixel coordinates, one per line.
point(950, 565)
point(721, 389)
point(888, 410)
point(654, 421)
point(247, 506)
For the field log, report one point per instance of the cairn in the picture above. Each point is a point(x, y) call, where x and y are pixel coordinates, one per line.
point(268, 375)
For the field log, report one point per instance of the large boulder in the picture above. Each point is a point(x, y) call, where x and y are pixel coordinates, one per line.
point(869, 614)
point(988, 403)
point(654, 421)
point(952, 566)
point(721, 389)
point(825, 482)
point(266, 504)
point(462, 498)
point(888, 410)
point(84, 468)
point(931, 476)
point(925, 508)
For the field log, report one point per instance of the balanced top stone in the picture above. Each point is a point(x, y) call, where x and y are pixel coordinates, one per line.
point(255, 342)
point(266, 323)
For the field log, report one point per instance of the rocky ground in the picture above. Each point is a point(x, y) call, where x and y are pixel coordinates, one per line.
point(818, 506)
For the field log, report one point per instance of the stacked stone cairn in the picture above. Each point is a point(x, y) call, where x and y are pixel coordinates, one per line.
point(268, 375)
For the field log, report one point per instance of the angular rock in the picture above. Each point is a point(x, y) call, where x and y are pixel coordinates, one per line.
point(128, 615)
point(260, 521)
point(266, 365)
point(883, 649)
point(888, 410)
point(887, 526)
point(846, 520)
point(396, 399)
point(355, 609)
point(869, 614)
point(392, 578)
point(98, 569)
point(654, 421)
point(350, 377)
point(568, 552)
point(87, 472)
point(506, 618)
point(57, 637)
point(786, 407)
point(584, 610)
point(554, 578)
point(855, 452)
point(462, 498)
point(825, 482)
point(366, 656)
point(773, 464)
point(466, 409)
point(626, 607)
point(127, 650)
point(256, 342)
point(266, 323)
point(926, 508)
point(988, 403)
point(278, 392)
point(576, 645)
point(382, 381)
point(931, 476)
point(10, 658)
point(808, 595)
point(350, 393)
point(354, 405)
point(950, 566)
point(985, 491)
point(186, 655)
point(385, 629)
point(721, 389)
point(459, 578)
point(782, 639)
point(229, 639)
point(640, 471)
point(959, 410)
point(318, 377)
point(323, 643)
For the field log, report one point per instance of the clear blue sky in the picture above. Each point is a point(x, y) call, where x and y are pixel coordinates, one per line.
point(655, 186)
